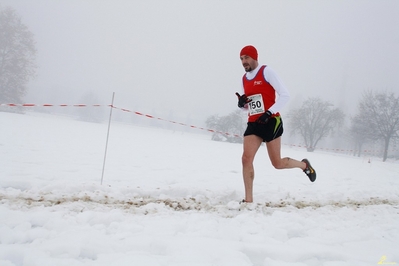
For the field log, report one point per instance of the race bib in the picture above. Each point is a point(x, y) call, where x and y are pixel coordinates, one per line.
point(256, 105)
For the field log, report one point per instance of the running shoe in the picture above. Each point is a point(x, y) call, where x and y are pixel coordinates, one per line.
point(309, 171)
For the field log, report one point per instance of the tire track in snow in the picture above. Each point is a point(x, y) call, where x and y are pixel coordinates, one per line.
point(148, 204)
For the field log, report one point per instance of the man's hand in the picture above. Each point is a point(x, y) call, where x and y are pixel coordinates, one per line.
point(265, 117)
point(242, 100)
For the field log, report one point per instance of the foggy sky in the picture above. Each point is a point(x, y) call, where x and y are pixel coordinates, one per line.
point(182, 56)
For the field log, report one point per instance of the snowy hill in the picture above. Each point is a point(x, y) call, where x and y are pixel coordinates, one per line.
point(171, 198)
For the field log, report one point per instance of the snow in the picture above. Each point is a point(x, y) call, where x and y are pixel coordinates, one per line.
point(171, 198)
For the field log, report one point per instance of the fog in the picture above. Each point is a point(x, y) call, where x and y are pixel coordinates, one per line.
point(182, 57)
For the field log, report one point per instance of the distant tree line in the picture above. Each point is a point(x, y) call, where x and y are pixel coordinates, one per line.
point(377, 120)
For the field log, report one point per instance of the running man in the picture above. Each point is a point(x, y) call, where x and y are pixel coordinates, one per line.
point(260, 85)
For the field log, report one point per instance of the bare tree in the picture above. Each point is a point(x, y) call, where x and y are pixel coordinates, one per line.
point(379, 113)
point(17, 56)
point(315, 120)
point(229, 128)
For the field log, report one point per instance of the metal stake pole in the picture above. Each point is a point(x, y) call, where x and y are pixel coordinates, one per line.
point(106, 143)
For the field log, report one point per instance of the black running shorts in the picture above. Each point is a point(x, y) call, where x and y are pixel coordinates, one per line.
point(267, 131)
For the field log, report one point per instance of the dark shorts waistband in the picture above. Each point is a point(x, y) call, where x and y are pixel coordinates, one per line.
point(269, 131)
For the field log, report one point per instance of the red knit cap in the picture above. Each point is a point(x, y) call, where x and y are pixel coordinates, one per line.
point(250, 51)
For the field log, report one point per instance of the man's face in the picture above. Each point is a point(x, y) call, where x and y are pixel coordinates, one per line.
point(248, 63)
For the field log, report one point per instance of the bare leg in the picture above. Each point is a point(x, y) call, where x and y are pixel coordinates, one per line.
point(274, 151)
point(251, 146)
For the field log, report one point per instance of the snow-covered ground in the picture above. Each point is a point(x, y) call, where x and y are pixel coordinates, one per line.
point(171, 198)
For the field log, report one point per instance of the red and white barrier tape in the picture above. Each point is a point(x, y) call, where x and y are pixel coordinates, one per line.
point(179, 123)
point(122, 109)
point(339, 150)
point(50, 105)
point(173, 122)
